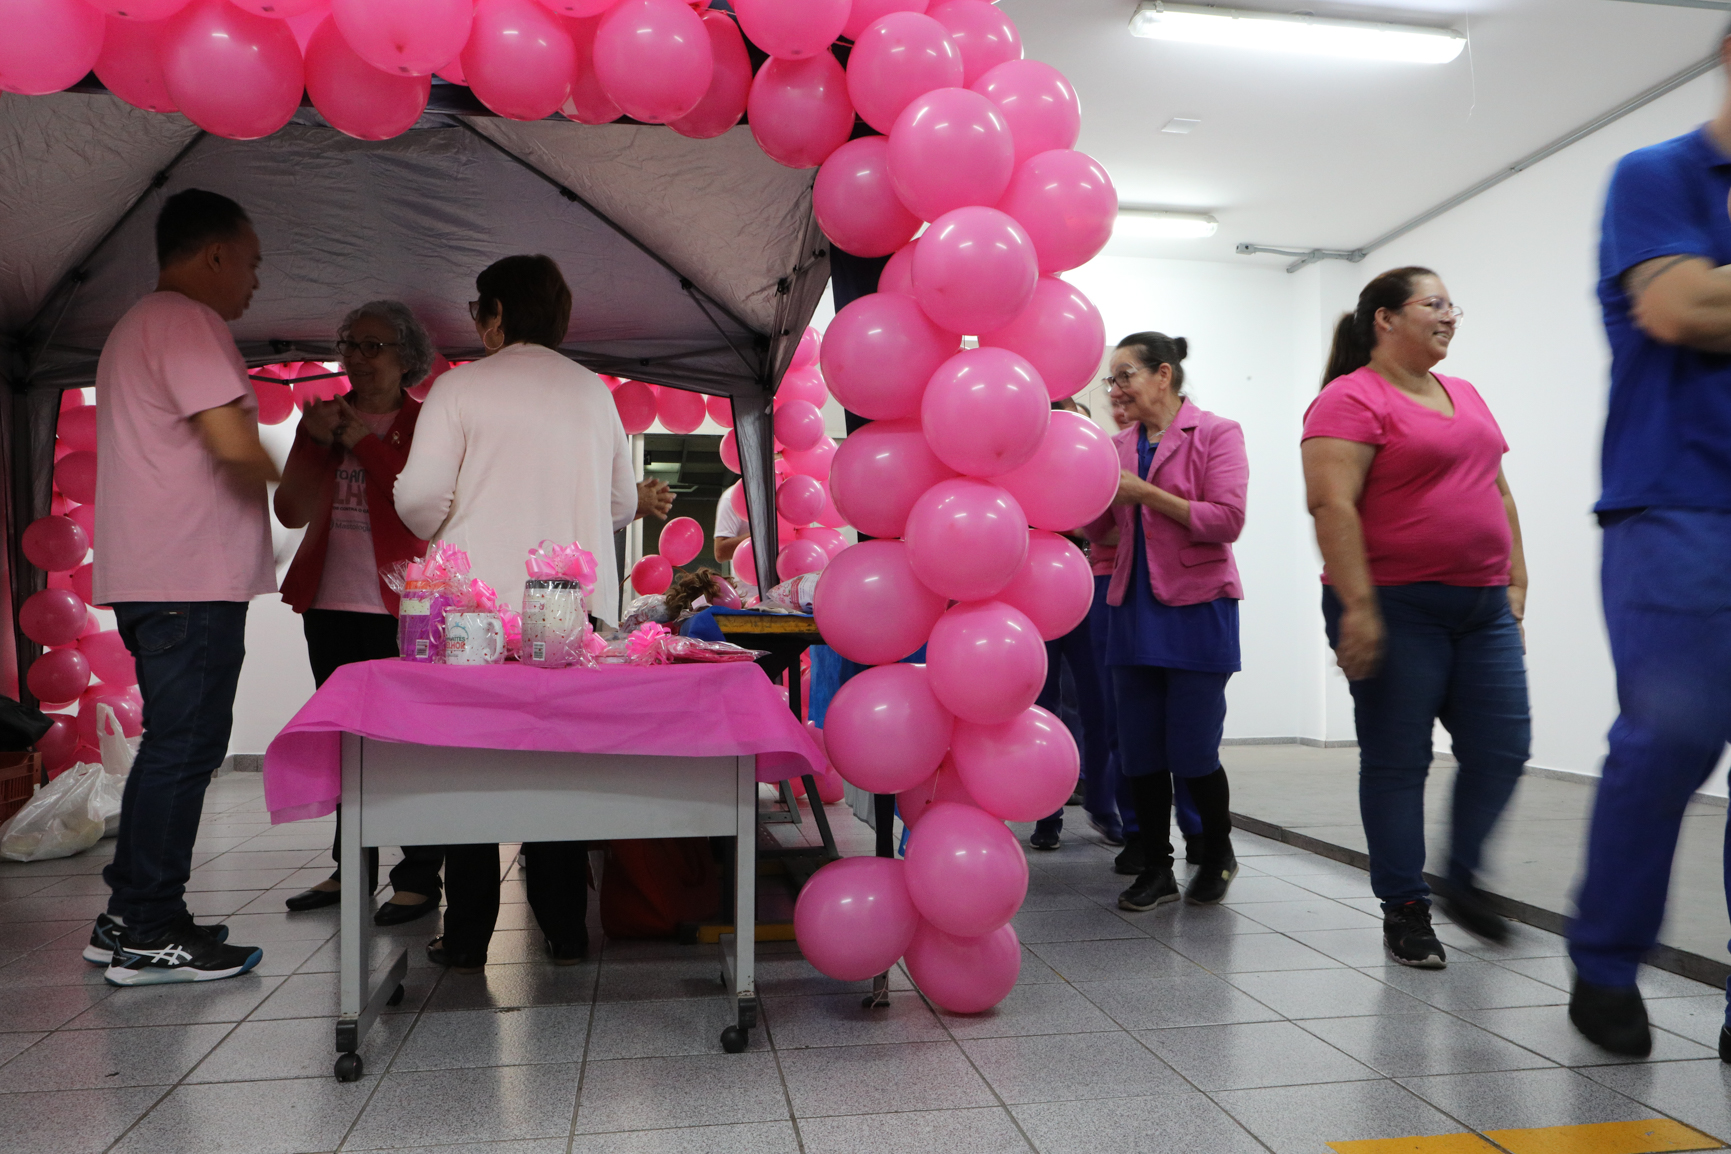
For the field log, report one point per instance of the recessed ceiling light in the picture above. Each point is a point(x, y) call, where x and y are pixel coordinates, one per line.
point(1179, 126)
point(1155, 224)
point(1300, 34)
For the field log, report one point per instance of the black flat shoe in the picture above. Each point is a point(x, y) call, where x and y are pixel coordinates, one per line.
point(569, 954)
point(397, 914)
point(313, 900)
point(1613, 1019)
point(1152, 888)
point(456, 963)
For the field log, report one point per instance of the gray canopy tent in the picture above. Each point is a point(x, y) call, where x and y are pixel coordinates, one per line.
point(692, 263)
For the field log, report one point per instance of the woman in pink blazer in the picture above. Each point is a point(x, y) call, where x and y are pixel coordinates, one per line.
point(1172, 625)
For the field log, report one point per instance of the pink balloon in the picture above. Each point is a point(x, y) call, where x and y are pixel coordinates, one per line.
point(950, 148)
point(1022, 769)
point(987, 661)
point(83, 580)
point(356, 98)
point(829, 540)
point(813, 462)
point(880, 352)
point(944, 785)
point(1071, 479)
point(59, 744)
point(966, 873)
point(130, 66)
point(974, 270)
point(799, 110)
point(109, 658)
point(803, 384)
point(653, 574)
point(126, 712)
point(410, 37)
point(831, 517)
point(653, 58)
point(84, 516)
point(1060, 333)
point(898, 59)
point(805, 353)
point(589, 103)
point(680, 410)
point(724, 103)
point(681, 540)
point(636, 404)
point(1054, 586)
point(966, 538)
point(1067, 204)
point(880, 471)
point(275, 402)
point(799, 499)
point(985, 411)
point(232, 73)
point(831, 789)
point(304, 25)
point(578, 8)
point(723, 593)
point(720, 411)
point(871, 608)
point(792, 29)
point(730, 451)
point(854, 918)
point(898, 274)
point(800, 557)
point(964, 975)
point(75, 476)
point(58, 675)
point(799, 425)
point(865, 13)
point(139, 11)
point(1038, 103)
point(885, 731)
point(985, 36)
point(49, 45)
point(519, 60)
point(53, 617)
point(58, 544)
point(280, 10)
point(855, 204)
point(323, 389)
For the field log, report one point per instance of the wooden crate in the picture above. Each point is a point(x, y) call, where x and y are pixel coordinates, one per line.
point(19, 774)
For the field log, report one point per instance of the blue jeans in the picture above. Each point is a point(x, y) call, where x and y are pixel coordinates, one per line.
point(188, 655)
point(1666, 580)
point(1452, 653)
point(1076, 649)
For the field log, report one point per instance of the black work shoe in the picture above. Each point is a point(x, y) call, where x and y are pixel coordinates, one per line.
point(1469, 909)
point(569, 953)
point(397, 914)
point(1153, 888)
point(186, 953)
point(1410, 940)
point(1725, 1043)
point(1613, 1018)
point(1045, 835)
point(106, 935)
point(1131, 860)
point(1209, 883)
point(1193, 849)
point(314, 899)
point(458, 963)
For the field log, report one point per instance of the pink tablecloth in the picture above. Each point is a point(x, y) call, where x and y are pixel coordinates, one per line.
point(723, 710)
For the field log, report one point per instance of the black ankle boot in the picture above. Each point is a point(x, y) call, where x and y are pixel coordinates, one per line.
point(1612, 1018)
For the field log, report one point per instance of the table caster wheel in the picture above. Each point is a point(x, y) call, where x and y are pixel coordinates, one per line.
point(734, 1040)
point(349, 1068)
point(396, 998)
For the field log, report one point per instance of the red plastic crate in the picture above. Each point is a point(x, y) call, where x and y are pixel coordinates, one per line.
point(19, 773)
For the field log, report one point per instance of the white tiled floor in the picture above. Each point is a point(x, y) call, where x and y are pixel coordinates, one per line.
point(1272, 1023)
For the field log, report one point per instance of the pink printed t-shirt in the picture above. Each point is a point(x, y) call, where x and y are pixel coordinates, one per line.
point(1430, 507)
point(350, 581)
point(174, 525)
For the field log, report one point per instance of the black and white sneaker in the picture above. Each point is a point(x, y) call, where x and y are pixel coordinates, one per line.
point(103, 938)
point(186, 953)
point(1151, 888)
point(1407, 933)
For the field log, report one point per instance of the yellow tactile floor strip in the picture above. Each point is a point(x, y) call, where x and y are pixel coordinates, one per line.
point(1652, 1136)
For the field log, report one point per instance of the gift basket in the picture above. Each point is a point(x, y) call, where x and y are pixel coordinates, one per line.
point(427, 588)
point(555, 629)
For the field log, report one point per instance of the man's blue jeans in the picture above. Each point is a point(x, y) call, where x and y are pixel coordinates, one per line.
point(1452, 654)
point(1666, 580)
point(188, 655)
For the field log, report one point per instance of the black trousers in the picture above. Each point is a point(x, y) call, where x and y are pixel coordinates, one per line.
point(556, 876)
point(336, 638)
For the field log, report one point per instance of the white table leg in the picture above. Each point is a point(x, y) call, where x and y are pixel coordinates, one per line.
point(739, 949)
point(358, 1003)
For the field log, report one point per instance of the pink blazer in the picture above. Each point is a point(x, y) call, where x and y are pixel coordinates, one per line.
point(1201, 458)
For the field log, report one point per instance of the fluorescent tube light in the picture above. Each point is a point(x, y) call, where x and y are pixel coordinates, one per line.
point(1149, 224)
point(1306, 35)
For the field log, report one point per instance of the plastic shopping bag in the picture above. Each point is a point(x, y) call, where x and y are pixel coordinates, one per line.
point(118, 751)
point(63, 818)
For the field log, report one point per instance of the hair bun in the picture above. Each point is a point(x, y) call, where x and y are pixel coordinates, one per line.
point(1182, 345)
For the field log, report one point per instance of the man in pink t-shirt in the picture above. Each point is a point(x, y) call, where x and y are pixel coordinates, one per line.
point(180, 508)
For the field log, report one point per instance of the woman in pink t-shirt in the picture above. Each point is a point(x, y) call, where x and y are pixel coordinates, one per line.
point(1425, 587)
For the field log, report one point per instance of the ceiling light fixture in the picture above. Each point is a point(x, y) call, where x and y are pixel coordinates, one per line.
point(1298, 34)
point(1153, 224)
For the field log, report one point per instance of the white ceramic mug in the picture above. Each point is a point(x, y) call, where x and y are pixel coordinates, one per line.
point(474, 639)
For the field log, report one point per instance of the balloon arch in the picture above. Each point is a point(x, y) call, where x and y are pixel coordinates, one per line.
point(964, 476)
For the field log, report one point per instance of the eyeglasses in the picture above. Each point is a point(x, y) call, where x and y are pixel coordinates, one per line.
point(1122, 378)
point(368, 348)
point(1441, 306)
point(474, 310)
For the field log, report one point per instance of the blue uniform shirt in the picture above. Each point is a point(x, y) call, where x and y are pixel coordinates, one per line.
point(1668, 431)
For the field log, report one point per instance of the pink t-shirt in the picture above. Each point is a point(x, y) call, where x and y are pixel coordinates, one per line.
point(1430, 507)
point(350, 581)
point(174, 525)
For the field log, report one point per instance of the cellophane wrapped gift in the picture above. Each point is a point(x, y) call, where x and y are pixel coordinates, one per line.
point(654, 644)
point(555, 626)
point(426, 589)
point(794, 595)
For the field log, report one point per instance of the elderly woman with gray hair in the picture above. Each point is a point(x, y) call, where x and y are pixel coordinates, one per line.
point(337, 483)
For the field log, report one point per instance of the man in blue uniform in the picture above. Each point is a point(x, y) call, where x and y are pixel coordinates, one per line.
point(1665, 285)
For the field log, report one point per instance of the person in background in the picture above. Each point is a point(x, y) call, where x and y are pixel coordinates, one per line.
point(731, 531)
point(337, 483)
point(1425, 586)
point(1172, 633)
point(1665, 287)
point(521, 446)
point(180, 508)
